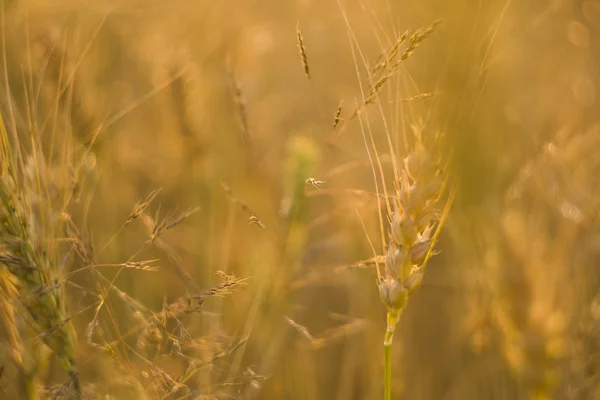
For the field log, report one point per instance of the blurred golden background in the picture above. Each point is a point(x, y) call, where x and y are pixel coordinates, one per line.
point(200, 115)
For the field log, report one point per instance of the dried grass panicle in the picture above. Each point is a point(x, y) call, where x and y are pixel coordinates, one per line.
point(169, 222)
point(229, 285)
point(29, 230)
point(238, 98)
point(141, 206)
point(387, 64)
point(416, 39)
point(413, 223)
point(387, 57)
point(252, 217)
point(337, 115)
point(420, 96)
point(302, 50)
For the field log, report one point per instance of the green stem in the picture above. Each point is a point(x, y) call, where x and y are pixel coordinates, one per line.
point(387, 389)
point(393, 316)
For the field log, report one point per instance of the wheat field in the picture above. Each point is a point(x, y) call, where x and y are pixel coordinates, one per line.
point(299, 199)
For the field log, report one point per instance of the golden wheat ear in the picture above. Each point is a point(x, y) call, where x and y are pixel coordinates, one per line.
point(414, 227)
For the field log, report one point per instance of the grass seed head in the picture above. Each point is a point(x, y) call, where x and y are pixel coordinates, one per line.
point(302, 50)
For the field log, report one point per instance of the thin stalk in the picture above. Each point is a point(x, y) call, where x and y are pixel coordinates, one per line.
point(393, 316)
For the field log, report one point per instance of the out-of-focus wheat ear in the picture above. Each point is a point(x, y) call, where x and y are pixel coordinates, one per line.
point(17, 351)
point(237, 96)
point(29, 228)
point(302, 50)
point(302, 158)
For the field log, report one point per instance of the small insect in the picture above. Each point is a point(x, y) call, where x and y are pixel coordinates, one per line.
point(254, 220)
point(314, 182)
point(176, 348)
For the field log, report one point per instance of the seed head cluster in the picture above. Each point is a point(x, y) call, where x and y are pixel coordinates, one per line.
point(412, 225)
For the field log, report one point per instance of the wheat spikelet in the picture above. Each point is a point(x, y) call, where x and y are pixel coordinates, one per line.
point(414, 225)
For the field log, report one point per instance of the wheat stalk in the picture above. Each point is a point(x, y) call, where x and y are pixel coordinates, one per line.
point(414, 226)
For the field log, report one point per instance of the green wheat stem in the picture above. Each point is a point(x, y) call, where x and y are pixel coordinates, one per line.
point(387, 354)
point(393, 316)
